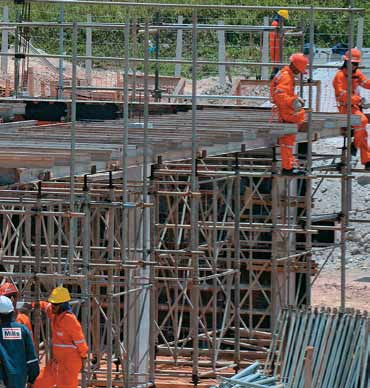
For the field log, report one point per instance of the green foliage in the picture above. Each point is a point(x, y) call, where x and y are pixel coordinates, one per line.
point(330, 28)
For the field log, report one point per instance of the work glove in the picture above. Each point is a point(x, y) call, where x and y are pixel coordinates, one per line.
point(298, 104)
point(364, 103)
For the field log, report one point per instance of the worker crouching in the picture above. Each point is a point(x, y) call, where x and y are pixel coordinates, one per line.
point(19, 364)
point(290, 109)
point(69, 348)
point(340, 84)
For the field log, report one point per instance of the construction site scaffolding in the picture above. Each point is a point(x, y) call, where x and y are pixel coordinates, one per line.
point(173, 263)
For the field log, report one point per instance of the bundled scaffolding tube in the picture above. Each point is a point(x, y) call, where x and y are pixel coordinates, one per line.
point(250, 377)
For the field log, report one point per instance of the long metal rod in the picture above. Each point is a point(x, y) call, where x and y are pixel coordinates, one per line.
point(194, 6)
point(72, 169)
point(346, 181)
point(124, 252)
point(161, 60)
point(308, 193)
point(61, 51)
point(237, 214)
point(152, 27)
point(86, 305)
point(194, 205)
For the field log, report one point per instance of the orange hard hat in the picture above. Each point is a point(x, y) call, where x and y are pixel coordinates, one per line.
point(299, 61)
point(356, 55)
point(8, 289)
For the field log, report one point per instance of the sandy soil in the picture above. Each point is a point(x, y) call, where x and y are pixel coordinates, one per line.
point(326, 289)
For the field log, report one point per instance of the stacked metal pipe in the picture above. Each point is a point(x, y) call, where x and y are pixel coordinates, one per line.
point(339, 340)
point(250, 377)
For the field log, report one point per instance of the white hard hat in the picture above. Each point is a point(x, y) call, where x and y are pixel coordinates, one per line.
point(6, 305)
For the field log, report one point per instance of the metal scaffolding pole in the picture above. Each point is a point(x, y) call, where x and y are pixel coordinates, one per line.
point(309, 160)
point(72, 171)
point(194, 206)
point(346, 181)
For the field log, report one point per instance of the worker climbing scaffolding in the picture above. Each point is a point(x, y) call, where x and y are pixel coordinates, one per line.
point(340, 84)
point(290, 108)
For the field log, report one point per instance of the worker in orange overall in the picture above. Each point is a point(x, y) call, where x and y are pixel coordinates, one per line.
point(340, 83)
point(11, 291)
point(69, 348)
point(290, 108)
point(276, 38)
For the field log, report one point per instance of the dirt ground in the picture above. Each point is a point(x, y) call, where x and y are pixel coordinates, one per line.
point(326, 289)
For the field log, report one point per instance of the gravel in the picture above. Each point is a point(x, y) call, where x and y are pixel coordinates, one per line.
point(328, 200)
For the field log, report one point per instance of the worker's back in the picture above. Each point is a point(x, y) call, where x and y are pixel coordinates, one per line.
point(19, 361)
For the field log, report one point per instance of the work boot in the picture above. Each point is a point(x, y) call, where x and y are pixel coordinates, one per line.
point(353, 150)
point(292, 172)
point(367, 166)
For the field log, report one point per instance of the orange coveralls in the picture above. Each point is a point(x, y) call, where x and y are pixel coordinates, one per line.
point(275, 46)
point(341, 86)
point(283, 96)
point(68, 347)
point(25, 320)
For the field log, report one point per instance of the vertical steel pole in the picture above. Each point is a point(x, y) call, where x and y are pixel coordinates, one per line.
point(109, 328)
point(17, 43)
point(180, 20)
point(72, 232)
point(214, 269)
point(61, 51)
point(360, 33)
point(346, 181)
point(265, 50)
point(38, 231)
point(157, 92)
point(88, 63)
point(134, 65)
point(125, 244)
point(85, 297)
point(124, 253)
point(221, 54)
point(309, 161)
point(5, 42)
point(237, 261)
point(194, 206)
point(124, 227)
point(144, 296)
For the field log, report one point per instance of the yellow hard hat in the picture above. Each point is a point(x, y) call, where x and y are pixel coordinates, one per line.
point(59, 295)
point(284, 13)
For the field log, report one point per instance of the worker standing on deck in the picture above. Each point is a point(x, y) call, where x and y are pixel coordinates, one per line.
point(340, 83)
point(276, 38)
point(19, 364)
point(290, 108)
point(11, 291)
point(69, 348)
